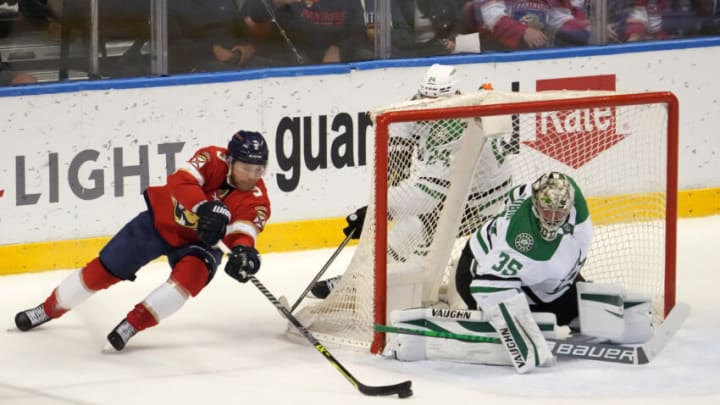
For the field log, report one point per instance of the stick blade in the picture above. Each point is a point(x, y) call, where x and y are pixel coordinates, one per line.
point(663, 333)
point(403, 389)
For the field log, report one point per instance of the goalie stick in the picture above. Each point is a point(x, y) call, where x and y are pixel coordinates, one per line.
point(582, 347)
point(323, 269)
point(403, 389)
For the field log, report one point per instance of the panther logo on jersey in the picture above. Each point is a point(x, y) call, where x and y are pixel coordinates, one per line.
point(184, 217)
point(524, 242)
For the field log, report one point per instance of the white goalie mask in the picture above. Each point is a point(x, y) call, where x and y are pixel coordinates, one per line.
point(553, 197)
point(439, 82)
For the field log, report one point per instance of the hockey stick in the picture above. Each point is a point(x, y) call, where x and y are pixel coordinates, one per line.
point(582, 347)
point(403, 389)
point(436, 333)
point(323, 270)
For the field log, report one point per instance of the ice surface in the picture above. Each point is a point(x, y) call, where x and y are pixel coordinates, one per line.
point(227, 346)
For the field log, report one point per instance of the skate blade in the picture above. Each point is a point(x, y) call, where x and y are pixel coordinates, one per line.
point(109, 349)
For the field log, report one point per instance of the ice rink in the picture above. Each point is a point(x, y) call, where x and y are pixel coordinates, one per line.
point(228, 346)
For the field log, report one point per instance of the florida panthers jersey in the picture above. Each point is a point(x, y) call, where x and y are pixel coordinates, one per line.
point(509, 248)
point(203, 178)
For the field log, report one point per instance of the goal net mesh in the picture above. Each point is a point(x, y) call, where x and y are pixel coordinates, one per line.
point(444, 166)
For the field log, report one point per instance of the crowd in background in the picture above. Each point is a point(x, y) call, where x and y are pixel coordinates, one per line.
point(220, 35)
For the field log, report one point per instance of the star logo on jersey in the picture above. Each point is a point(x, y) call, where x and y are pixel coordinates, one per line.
point(575, 137)
point(524, 242)
point(199, 160)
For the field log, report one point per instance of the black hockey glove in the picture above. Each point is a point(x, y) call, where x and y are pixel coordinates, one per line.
point(244, 261)
point(355, 222)
point(213, 217)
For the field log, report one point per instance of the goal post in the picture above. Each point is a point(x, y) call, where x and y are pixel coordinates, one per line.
point(443, 166)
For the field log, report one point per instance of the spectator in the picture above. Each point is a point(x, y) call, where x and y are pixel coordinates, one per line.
point(531, 24)
point(207, 36)
point(644, 21)
point(616, 15)
point(687, 18)
point(425, 27)
point(313, 31)
point(9, 77)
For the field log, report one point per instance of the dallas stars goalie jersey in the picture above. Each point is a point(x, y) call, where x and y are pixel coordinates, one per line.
point(509, 248)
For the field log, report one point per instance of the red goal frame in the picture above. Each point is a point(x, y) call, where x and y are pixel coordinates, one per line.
point(384, 120)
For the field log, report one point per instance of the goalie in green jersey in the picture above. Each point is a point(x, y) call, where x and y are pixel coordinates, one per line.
point(522, 268)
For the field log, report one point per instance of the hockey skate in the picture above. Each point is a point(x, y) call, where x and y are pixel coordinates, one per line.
point(322, 288)
point(119, 336)
point(31, 318)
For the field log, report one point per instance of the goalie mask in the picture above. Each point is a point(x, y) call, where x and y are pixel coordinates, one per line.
point(439, 82)
point(552, 199)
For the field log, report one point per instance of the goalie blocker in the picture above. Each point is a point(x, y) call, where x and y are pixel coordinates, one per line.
point(509, 334)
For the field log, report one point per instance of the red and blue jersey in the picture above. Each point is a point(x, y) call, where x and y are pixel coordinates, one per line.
point(204, 178)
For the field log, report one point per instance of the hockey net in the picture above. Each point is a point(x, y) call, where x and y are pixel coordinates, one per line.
point(442, 168)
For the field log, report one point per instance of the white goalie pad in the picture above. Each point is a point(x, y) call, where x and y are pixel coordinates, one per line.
point(638, 317)
point(458, 323)
point(600, 309)
point(607, 311)
point(520, 334)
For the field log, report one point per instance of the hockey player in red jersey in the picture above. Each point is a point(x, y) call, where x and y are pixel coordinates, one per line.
point(218, 195)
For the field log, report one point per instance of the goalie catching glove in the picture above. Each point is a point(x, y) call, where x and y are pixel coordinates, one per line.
point(244, 261)
point(213, 217)
point(355, 222)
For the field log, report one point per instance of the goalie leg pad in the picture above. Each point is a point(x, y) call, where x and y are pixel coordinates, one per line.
point(412, 348)
point(462, 322)
point(519, 334)
point(638, 319)
point(600, 309)
point(406, 347)
point(489, 293)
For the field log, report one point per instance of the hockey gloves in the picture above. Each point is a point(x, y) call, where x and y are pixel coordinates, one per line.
point(213, 217)
point(244, 261)
point(355, 222)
